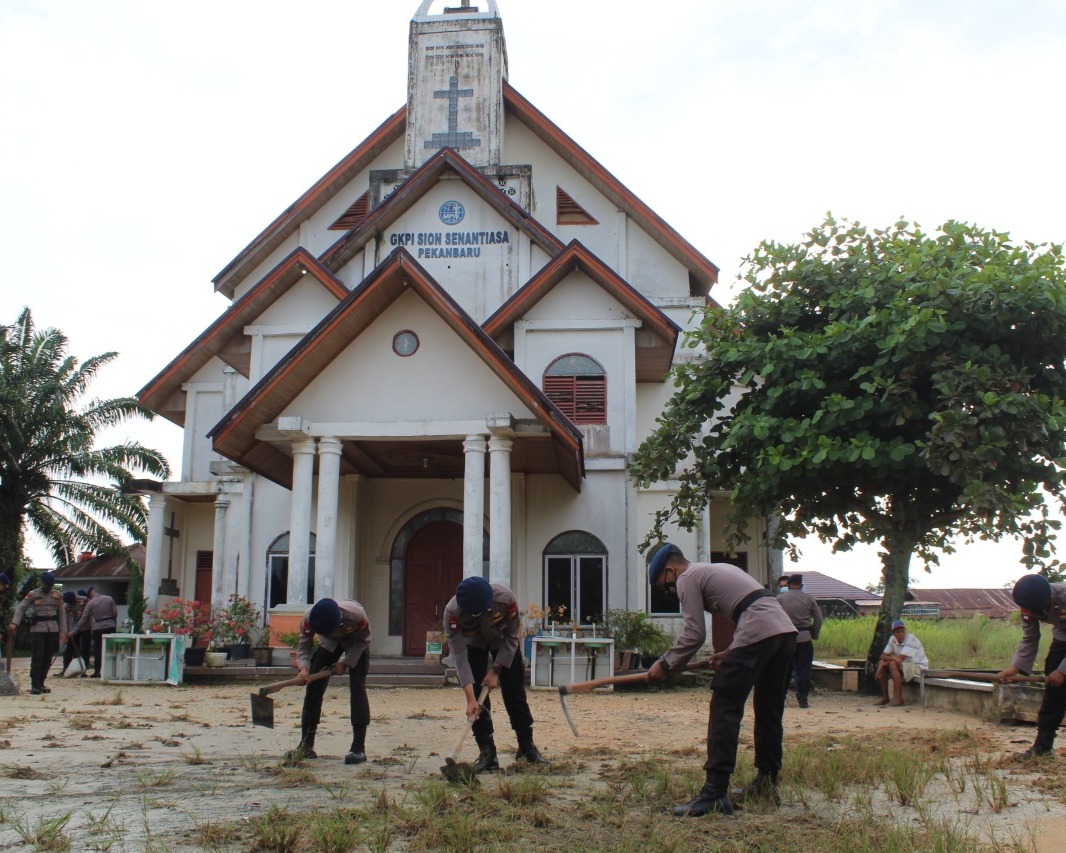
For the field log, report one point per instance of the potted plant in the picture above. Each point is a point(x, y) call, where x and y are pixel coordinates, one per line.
point(292, 640)
point(236, 626)
point(192, 619)
point(636, 632)
point(261, 651)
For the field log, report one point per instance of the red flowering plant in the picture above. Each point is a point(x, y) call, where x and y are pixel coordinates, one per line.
point(182, 616)
point(236, 623)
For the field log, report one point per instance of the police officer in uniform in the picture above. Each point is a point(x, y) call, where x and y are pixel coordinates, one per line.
point(1041, 601)
point(47, 630)
point(759, 657)
point(483, 618)
point(100, 616)
point(806, 615)
point(342, 628)
point(73, 608)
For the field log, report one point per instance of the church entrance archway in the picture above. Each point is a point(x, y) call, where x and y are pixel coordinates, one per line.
point(426, 567)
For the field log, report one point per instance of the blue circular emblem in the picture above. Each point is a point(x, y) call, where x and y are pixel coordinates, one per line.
point(452, 212)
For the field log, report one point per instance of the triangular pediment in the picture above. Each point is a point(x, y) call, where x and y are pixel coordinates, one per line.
point(656, 338)
point(225, 338)
point(248, 435)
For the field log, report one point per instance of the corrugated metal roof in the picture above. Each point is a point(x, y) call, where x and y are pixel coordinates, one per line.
point(955, 602)
point(101, 567)
point(820, 586)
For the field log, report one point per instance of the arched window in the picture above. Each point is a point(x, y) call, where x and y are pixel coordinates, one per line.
point(575, 577)
point(578, 385)
point(278, 570)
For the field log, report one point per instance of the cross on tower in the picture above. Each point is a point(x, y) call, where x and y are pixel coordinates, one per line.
point(169, 586)
point(453, 138)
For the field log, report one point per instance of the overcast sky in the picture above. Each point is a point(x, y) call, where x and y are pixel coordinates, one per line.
point(143, 145)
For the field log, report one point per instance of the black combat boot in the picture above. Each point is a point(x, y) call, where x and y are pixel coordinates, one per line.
point(713, 797)
point(305, 749)
point(528, 752)
point(487, 762)
point(763, 787)
point(357, 754)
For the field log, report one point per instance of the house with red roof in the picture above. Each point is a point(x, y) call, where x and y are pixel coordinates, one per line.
point(435, 363)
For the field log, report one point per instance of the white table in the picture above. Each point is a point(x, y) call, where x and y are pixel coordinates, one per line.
point(142, 658)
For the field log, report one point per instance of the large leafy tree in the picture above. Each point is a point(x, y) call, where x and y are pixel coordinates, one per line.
point(878, 386)
point(53, 479)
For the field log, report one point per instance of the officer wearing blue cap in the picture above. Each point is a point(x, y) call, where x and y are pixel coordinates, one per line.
point(342, 627)
point(482, 619)
point(48, 629)
point(759, 658)
point(1042, 601)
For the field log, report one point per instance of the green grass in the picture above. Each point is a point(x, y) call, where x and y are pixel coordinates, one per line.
point(975, 643)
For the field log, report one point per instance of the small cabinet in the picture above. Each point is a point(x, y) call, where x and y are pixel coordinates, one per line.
point(142, 658)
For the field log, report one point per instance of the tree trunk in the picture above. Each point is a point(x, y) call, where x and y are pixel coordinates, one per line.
point(896, 575)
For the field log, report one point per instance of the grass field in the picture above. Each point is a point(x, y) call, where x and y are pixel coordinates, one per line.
point(975, 643)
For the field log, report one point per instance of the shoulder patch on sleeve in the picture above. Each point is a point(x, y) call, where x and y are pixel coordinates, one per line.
point(512, 610)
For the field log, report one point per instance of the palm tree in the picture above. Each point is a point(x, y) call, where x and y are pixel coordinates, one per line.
point(52, 479)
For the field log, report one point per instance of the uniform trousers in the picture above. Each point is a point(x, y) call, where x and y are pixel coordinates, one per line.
point(802, 663)
point(316, 690)
point(764, 666)
point(97, 643)
point(1053, 706)
point(513, 689)
point(44, 645)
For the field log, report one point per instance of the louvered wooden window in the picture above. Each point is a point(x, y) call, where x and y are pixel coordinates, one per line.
point(569, 212)
point(578, 386)
point(354, 214)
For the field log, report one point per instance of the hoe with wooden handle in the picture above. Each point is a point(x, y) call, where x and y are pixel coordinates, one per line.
point(588, 686)
point(263, 705)
point(979, 676)
point(453, 771)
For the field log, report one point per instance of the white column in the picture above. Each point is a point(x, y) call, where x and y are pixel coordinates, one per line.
point(329, 474)
point(218, 557)
point(473, 505)
point(153, 555)
point(303, 470)
point(500, 511)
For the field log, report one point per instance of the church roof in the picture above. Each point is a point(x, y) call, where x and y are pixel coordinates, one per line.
point(225, 337)
point(557, 448)
point(701, 270)
point(410, 191)
point(655, 349)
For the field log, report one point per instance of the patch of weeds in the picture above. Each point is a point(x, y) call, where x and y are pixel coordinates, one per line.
point(155, 780)
point(55, 787)
point(195, 757)
point(18, 771)
point(208, 790)
point(906, 777)
point(183, 718)
point(167, 741)
point(522, 791)
point(334, 833)
point(44, 833)
point(339, 792)
point(214, 835)
point(118, 698)
point(251, 763)
point(81, 722)
point(293, 777)
point(277, 830)
point(105, 829)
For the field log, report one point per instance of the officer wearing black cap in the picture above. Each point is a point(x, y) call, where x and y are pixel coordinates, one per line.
point(48, 629)
point(342, 628)
point(483, 619)
point(759, 658)
point(806, 615)
point(1041, 601)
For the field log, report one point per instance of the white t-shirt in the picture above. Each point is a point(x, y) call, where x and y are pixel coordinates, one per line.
point(910, 648)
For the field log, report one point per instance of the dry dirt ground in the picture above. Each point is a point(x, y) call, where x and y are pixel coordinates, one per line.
point(143, 767)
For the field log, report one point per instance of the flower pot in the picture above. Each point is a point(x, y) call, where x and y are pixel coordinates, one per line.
point(262, 655)
point(215, 658)
point(195, 657)
point(292, 660)
point(240, 651)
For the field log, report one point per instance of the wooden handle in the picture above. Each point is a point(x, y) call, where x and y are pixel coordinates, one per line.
point(467, 725)
point(277, 685)
point(589, 686)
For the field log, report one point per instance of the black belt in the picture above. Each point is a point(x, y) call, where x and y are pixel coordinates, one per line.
point(748, 600)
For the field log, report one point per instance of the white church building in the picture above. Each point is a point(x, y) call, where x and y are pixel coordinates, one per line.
point(435, 363)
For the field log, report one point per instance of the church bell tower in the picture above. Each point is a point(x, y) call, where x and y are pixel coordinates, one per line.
point(456, 67)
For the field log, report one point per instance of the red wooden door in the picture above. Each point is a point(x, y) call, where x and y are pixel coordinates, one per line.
point(433, 569)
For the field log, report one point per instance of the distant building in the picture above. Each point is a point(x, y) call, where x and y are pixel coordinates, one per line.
point(839, 599)
point(964, 603)
point(109, 574)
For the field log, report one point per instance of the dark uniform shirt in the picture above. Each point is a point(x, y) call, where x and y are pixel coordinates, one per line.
point(497, 629)
point(353, 635)
point(50, 613)
point(1025, 657)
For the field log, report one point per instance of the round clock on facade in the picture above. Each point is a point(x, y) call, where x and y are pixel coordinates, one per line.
point(405, 343)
